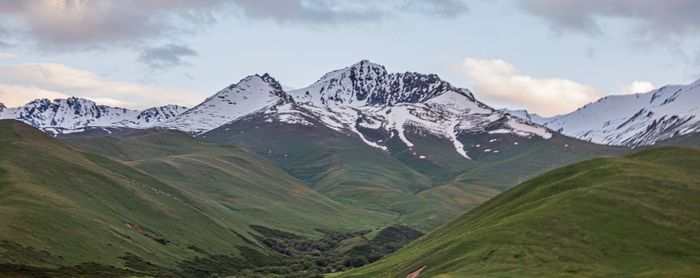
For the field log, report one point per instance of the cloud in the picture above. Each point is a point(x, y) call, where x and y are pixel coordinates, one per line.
point(166, 56)
point(444, 8)
point(499, 82)
point(335, 12)
point(4, 55)
point(638, 87)
point(23, 82)
point(660, 17)
point(75, 25)
point(17, 95)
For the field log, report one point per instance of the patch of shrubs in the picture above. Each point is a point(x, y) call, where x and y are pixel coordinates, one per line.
point(325, 255)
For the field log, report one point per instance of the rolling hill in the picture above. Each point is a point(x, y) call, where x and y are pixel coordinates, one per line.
point(67, 212)
point(618, 216)
point(420, 192)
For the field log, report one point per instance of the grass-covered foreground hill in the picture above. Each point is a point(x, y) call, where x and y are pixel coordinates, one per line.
point(637, 215)
point(67, 213)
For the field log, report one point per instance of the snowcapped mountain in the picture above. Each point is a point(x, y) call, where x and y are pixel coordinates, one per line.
point(369, 84)
point(252, 94)
point(359, 99)
point(62, 116)
point(634, 120)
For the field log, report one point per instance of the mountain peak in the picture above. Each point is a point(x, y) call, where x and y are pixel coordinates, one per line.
point(367, 66)
point(369, 84)
point(252, 94)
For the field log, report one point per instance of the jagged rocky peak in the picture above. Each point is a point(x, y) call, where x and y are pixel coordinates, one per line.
point(369, 84)
point(161, 113)
point(75, 114)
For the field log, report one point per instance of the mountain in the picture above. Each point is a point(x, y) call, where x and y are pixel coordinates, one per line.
point(634, 120)
point(409, 146)
point(627, 216)
point(64, 116)
point(362, 100)
point(249, 95)
point(423, 153)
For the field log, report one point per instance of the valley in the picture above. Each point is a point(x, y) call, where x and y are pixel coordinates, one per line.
point(358, 175)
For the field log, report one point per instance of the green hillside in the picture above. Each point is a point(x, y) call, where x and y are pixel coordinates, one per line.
point(692, 139)
point(423, 193)
point(231, 181)
point(68, 213)
point(631, 216)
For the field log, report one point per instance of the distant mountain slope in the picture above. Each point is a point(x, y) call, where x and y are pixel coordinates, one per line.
point(628, 216)
point(634, 120)
point(423, 186)
point(252, 94)
point(75, 114)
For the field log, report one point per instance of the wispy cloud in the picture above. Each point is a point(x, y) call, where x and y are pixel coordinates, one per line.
point(24, 82)
point(662, 18)
point(166, 56)
point(4, 55)
point(335, 12)
point(500, 83)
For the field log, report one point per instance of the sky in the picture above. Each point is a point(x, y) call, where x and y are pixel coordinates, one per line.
point(547, 56)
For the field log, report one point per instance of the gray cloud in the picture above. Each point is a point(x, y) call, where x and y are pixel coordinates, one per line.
point(166, 56)
point(439, 8)
point(76, 25)
point(659, 18)
point(299, 11)
point(334, 12)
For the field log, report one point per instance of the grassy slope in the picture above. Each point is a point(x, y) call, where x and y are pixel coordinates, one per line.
point(692, 139)
point(76, 206)
point(423, 193)
point(64, 207)
point(636, 215)
point(231, 181)
point(343, 168)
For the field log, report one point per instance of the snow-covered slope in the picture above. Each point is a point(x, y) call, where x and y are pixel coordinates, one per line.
point(365, 96)
point(252, 94)
point(75, 114)
point(634, 120)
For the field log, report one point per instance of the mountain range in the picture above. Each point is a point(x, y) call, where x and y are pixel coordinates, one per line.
point(364, 98)
point(631, 120)
point(355, 100)
point(71, 115)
